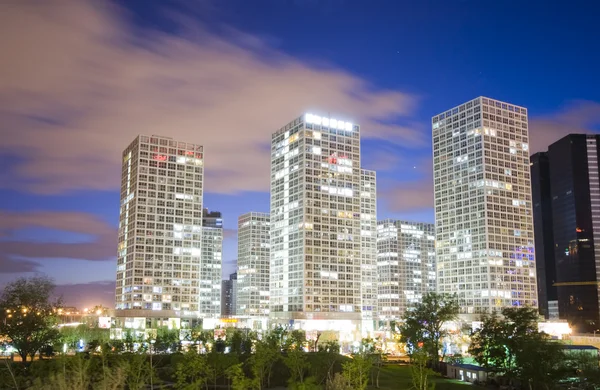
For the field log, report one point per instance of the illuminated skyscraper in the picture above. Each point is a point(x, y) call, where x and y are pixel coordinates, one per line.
point(483, 210)
point(161, 271)
point(316, 225)
point(253, 265)
point(368, 248)
point(405, 266)
point(210, 270)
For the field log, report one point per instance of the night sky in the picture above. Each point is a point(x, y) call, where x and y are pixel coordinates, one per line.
point(80, 79)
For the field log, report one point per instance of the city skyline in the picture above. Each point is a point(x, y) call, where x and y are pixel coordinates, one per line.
point(229, 82)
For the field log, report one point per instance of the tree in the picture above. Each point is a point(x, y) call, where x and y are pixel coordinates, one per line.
point(218, 363)
point(28, 315)
point(424, 323)
point(262, 361)
point(239, 381)
point(420, 373)
point(193, 372)
point(324, 361)
point(357, 370)
point(297, 362)
point(513, 346)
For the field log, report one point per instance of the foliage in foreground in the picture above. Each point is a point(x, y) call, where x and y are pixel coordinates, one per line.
point(28, 315)
point(511, 346)
point(422, 327)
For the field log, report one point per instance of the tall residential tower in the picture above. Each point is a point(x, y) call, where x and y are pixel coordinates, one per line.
point(316, 225)
point(253, 265)
point(405, 266)
point(159, 261)
point(483, 211)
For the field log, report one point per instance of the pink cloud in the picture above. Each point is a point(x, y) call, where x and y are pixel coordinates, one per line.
point(79, 83)
point(408, 196)
point(101, 247)
point(576, 117)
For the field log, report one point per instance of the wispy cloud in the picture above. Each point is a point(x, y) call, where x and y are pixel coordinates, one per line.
point(79, 83)
point(15, 255)
point(10, 265)
point(575, 117)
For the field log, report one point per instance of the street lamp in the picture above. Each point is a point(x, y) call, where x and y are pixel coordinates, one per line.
point(152, 341)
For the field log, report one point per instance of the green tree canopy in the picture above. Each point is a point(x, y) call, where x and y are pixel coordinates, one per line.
point(422, 326)
point(511, 345)
point(28, 315)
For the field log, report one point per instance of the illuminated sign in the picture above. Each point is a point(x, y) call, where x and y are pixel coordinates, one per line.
point(328, 122)
point(160, 157)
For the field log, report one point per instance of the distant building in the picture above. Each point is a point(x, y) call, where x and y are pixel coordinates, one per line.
point(574, 190)
point(553, 310)
point(405, 266)
point(543, 229)
point(210, 272)
point(253, 265)
point(234, 292)
point(483, 209)
point(228, 296)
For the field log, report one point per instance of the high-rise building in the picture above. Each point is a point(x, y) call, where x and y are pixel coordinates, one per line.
point(210, 271)
point(543, 231)
point(228, 287)
point(253, 265)
point(316, 224)
point(234, 292)
point(405, 266)
point(160, 228)
point(483, 209)
point(368, 248)
point(574, 191)
point(226, 301)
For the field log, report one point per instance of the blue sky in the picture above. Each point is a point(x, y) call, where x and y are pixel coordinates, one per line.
point(88, 76)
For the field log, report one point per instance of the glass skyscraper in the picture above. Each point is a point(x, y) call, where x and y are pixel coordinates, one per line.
point(483, 209)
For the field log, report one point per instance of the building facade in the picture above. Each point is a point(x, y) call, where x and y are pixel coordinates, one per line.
point(315, 271)
point(160, 227)
point(406, 266)
point(368, 249)
point(228, 296)
point(212, 261)
point(253, 265)
point(483, 209)
point(543, 231)
point(575, 194)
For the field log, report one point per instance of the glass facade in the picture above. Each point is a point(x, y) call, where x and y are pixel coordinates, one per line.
point(575, 193)
point(483, 209)
point(405, 265)
point(543, 229)
point(253, 265)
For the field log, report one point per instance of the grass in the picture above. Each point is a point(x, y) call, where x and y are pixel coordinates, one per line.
point(395, 377)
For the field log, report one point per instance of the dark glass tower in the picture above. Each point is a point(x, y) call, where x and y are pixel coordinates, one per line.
point(575, 194)
point(543, 230)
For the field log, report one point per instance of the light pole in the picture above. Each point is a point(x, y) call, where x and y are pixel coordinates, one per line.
point(152, 341)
